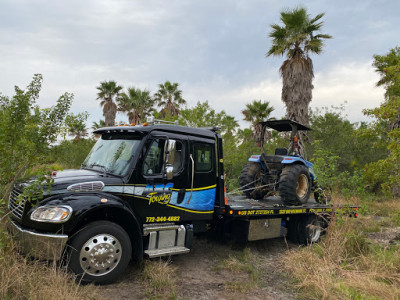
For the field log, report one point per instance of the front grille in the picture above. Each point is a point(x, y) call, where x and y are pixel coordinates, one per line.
point(15, 205)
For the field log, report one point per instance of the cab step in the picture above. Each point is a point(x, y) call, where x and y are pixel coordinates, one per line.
point(166, 251)
point(167, 239)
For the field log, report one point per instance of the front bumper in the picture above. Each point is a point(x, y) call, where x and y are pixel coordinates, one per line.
point(38, 245)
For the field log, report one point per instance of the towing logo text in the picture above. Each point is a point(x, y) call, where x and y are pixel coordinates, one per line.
point(160, 198)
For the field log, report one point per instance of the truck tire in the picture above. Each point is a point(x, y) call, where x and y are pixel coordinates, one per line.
point(309, 230)
point(295, 185)
point(100, 252)
point(250, 178)
point(292, 229)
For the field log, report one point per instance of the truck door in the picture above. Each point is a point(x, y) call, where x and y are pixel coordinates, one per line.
point(158, 199)
point(200, 198)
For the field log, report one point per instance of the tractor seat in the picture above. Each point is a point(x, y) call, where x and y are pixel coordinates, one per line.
point(272, 158)
point(281, 151)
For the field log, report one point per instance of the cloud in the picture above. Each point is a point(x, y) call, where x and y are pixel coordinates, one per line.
point(354, 83)
point(215, 50)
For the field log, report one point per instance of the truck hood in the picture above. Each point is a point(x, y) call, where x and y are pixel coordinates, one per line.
point(65, 178)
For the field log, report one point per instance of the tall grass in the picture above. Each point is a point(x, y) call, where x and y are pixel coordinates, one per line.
point(160, 279)
point(345, 265)
point(21, 278)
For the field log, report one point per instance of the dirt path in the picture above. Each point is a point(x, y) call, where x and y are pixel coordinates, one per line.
point(215, 271)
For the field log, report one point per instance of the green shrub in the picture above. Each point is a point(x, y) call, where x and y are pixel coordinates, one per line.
point(71, 154)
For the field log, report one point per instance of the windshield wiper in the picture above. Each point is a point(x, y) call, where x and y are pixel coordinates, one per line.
point(105, 169)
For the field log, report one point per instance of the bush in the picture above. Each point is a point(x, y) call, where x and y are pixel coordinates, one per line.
point(71, 154)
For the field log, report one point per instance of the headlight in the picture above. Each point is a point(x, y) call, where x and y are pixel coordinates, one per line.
point(52, 214)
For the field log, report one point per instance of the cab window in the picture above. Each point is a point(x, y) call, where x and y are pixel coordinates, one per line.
point(203, 154)
point(153, 163)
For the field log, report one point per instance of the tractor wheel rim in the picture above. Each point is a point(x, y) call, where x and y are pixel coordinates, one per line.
point(100, 255)
point(302, 186)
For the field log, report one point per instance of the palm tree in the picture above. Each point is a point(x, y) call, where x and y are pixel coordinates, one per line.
point(256, 112)
point(108, 91)
point(136, 103)
point(78, 131)
point(96, 125)
point(170, 97)
point(297, 38)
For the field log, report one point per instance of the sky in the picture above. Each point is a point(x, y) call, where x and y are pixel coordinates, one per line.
point(215, 50)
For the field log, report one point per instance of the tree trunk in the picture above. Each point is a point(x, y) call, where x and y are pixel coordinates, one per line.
point(297, 75)
point(109, 113)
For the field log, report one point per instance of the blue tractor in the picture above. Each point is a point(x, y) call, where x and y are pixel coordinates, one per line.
point(286, 173)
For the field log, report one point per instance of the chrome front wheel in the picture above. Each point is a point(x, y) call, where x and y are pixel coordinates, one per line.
point(100, 252)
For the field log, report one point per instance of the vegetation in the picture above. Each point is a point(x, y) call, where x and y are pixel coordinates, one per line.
point(136, 103)
point(358, 161)
point(346, 264)
point(297, 38)
point(27, 131)
point(24, 279)
point(169, 97)
point(108, 92)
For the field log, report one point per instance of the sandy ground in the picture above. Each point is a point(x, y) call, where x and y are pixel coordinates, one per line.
point(199, 275)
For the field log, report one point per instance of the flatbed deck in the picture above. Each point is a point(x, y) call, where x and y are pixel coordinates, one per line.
point(272, 206)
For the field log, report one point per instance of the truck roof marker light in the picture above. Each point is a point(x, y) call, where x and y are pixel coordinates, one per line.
point(239, 212)
point(126, 124)
point(231, 212)
point(132, 124)
point(225, 199)
point(145, 124)
point(104, 200)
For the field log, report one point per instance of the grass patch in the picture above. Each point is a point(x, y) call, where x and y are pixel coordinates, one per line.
point(24, 279)
point(160, 279)
point(346, 266)
point(244, 267)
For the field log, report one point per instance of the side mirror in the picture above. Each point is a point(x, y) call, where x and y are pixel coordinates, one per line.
point(169, 159)
point(170, 152)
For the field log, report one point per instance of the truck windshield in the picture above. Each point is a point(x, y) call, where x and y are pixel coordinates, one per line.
point(112, 154)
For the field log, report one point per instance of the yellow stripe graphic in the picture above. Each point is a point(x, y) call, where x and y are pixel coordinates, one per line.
point(197, 189)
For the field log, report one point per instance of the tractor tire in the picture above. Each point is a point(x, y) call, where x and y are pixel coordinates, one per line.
point(250, 178)
point(295, 185)
point(99, 253)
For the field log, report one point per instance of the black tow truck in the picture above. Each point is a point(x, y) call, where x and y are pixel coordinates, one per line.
point(144, 191)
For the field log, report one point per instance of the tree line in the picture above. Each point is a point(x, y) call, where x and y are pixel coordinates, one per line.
point(363, 157)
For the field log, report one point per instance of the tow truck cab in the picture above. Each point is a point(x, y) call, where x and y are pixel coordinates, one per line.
point(156, 183)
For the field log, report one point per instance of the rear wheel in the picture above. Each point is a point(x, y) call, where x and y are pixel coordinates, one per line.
point(305, 229)
point(309, 230)
point(295, 185)
point(100, 252)
point(251, 180)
